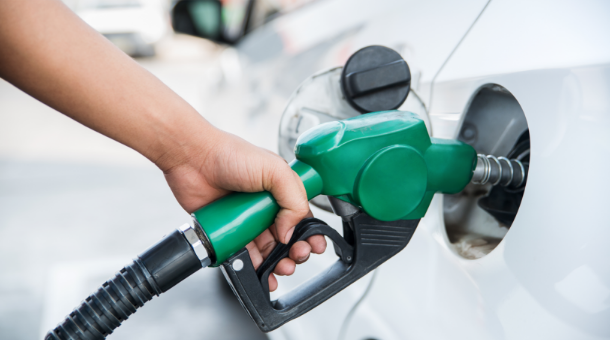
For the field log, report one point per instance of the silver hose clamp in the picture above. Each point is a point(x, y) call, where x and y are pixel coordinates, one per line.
point(191, 236)
point(482, 171)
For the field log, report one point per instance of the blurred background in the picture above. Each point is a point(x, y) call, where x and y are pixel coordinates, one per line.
point(76, 206)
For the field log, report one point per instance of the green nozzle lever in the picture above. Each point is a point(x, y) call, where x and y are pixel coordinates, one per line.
point(384, 162)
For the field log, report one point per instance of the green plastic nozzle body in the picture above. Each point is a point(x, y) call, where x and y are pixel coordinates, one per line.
point(238, 218)
point(384, 162)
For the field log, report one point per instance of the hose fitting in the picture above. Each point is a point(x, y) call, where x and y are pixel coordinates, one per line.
point(155, 271)
point(499, 171)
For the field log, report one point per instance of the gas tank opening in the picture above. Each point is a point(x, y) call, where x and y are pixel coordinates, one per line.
point(478, 218)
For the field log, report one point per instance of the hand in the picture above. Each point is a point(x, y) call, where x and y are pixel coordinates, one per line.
point(227, 163)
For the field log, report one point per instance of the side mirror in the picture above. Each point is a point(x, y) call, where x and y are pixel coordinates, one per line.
point(220, 21)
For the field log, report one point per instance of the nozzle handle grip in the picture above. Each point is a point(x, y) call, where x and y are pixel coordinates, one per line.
point(373, 243)
point(238, 218)
point(302, 231)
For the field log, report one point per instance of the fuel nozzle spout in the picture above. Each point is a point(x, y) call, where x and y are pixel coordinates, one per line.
point(500, 171)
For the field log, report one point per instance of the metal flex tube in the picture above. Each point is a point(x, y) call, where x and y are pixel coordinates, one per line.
point(500, 171)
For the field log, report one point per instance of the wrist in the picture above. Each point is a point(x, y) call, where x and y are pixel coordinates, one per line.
point(179, 143)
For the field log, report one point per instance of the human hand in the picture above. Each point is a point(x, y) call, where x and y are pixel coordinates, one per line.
point(227, 163)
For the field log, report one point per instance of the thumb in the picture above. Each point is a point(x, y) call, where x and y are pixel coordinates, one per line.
point(288, 190)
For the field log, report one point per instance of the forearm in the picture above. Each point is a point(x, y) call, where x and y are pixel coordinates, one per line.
point(51, 54)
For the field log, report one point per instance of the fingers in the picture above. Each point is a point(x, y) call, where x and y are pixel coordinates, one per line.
point(285, 267)
point(260, 248)
point(317, 243)
point(299, 252)
point(265, 243)
point(289, 192)
point(255, 254)
point(272, 283)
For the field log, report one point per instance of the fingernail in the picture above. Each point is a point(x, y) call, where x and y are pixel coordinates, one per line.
point(289, 235)
point(304, 258)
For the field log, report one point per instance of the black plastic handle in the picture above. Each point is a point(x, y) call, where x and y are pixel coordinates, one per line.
point(302, 231)
point(368, 243)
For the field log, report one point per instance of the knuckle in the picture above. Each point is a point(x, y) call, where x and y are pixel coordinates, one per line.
point(268, 247)
point(277, 173)
point(302, 209)
point(279, 167)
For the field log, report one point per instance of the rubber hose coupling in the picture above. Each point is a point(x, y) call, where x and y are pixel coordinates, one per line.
point(162, 266)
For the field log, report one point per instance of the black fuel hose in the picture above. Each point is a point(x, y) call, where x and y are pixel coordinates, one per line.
point(153, 272)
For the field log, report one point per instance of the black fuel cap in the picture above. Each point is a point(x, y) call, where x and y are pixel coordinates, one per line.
point(375, 78)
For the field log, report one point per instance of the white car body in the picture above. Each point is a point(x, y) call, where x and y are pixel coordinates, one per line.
point(549, 277)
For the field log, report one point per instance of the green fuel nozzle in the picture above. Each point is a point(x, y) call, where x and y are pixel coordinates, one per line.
point(379, 170)
point(382, 168)
point(383, 162)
